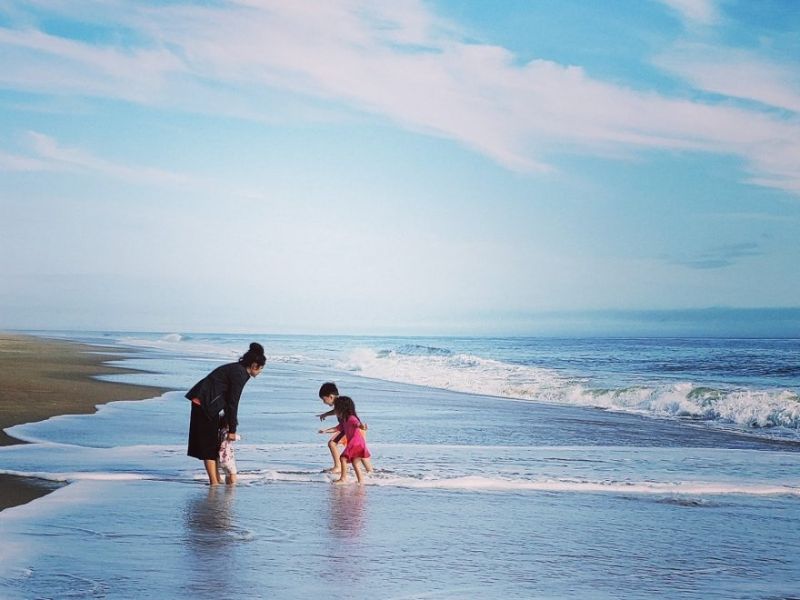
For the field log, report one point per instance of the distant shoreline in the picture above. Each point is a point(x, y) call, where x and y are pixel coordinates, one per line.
point(42, 378)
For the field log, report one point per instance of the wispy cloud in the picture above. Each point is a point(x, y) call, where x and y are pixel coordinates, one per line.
point(399, 61)
point(34, 60)
point(15, 162)
point(736, 73)
point(719, 257)
point(702, 12)
point(50, 155)
point(45, 154)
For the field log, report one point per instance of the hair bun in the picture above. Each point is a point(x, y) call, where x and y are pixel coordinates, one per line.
point(255, 354)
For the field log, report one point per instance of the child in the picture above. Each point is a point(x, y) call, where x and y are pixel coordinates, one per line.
point(328, 393)
point(356, 451)
point(227, 457)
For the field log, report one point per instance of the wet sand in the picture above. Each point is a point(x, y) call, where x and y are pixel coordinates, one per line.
point(41, 378)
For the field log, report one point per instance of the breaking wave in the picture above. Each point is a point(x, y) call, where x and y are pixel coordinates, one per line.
point(774, 410)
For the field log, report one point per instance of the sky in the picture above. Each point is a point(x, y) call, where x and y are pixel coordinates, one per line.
point(522, 167)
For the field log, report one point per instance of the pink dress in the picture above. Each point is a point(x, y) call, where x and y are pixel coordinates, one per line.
point(356, 444)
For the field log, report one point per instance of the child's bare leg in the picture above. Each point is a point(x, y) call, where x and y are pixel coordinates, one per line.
point(336, 468)
point(357, 462)
point(368, 465)
point(343, 474)
point(230, 467)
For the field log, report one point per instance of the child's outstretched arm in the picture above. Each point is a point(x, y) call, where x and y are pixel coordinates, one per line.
point(330, 413)
point(329, 430)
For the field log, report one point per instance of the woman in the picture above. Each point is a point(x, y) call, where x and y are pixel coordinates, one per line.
point(217, 391)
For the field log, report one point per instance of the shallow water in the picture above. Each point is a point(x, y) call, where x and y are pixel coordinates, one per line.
point(473, 496)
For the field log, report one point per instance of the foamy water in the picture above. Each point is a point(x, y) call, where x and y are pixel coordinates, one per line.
point(775, 409)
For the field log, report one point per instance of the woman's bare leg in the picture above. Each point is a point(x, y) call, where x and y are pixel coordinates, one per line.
point(212, 468)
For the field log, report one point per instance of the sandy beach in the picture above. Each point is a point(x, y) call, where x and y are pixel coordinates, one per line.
point(42, 378)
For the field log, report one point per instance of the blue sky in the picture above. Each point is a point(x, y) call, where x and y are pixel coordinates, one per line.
point(398, 167)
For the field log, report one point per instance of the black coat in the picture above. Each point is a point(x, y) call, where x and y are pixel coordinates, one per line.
point(221, 389)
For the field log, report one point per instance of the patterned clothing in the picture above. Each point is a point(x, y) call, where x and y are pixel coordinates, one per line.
point(227, 456)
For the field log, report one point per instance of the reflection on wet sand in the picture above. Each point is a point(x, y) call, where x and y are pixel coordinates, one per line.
point(209, 520)
point(346, 525)
point(347, 510)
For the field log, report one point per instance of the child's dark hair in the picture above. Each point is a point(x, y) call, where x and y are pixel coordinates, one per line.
point(328, 389)
point(254, 355)
point(345, 408)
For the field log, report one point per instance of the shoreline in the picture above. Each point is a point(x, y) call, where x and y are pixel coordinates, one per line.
point(43, 378)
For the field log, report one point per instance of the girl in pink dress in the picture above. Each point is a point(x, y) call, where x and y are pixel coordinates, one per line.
point(356, 451)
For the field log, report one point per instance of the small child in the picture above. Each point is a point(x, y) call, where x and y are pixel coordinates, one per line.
point(328, 393)
point(356, 451)
point(227, 456)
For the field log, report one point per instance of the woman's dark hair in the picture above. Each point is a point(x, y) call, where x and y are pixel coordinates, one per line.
point(344, 408)
point(254, 355)
point(328, 388)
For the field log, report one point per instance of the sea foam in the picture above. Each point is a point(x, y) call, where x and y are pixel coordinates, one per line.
point(777, 410)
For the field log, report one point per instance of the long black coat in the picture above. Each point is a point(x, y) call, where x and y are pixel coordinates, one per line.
point(220, 389)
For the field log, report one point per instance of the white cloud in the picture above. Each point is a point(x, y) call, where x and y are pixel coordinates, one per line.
point(46, 154)
point(399, 61)
point(736, 73)
point(702, 12)
point(37, 61)
point(49, 155)
point(13, 162)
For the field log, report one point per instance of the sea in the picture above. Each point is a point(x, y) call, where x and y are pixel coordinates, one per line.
point(505, 468)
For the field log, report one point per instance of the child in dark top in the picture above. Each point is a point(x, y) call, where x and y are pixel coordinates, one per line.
point(328, 393)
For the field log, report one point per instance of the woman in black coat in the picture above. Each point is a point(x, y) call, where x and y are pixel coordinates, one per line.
point(217, 391)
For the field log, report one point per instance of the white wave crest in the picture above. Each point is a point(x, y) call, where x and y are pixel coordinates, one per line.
point(79, 476)
point(487, 483)
point(700, 488)
point(747, 408)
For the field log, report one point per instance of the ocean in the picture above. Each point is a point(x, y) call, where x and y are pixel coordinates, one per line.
point(504, 468)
